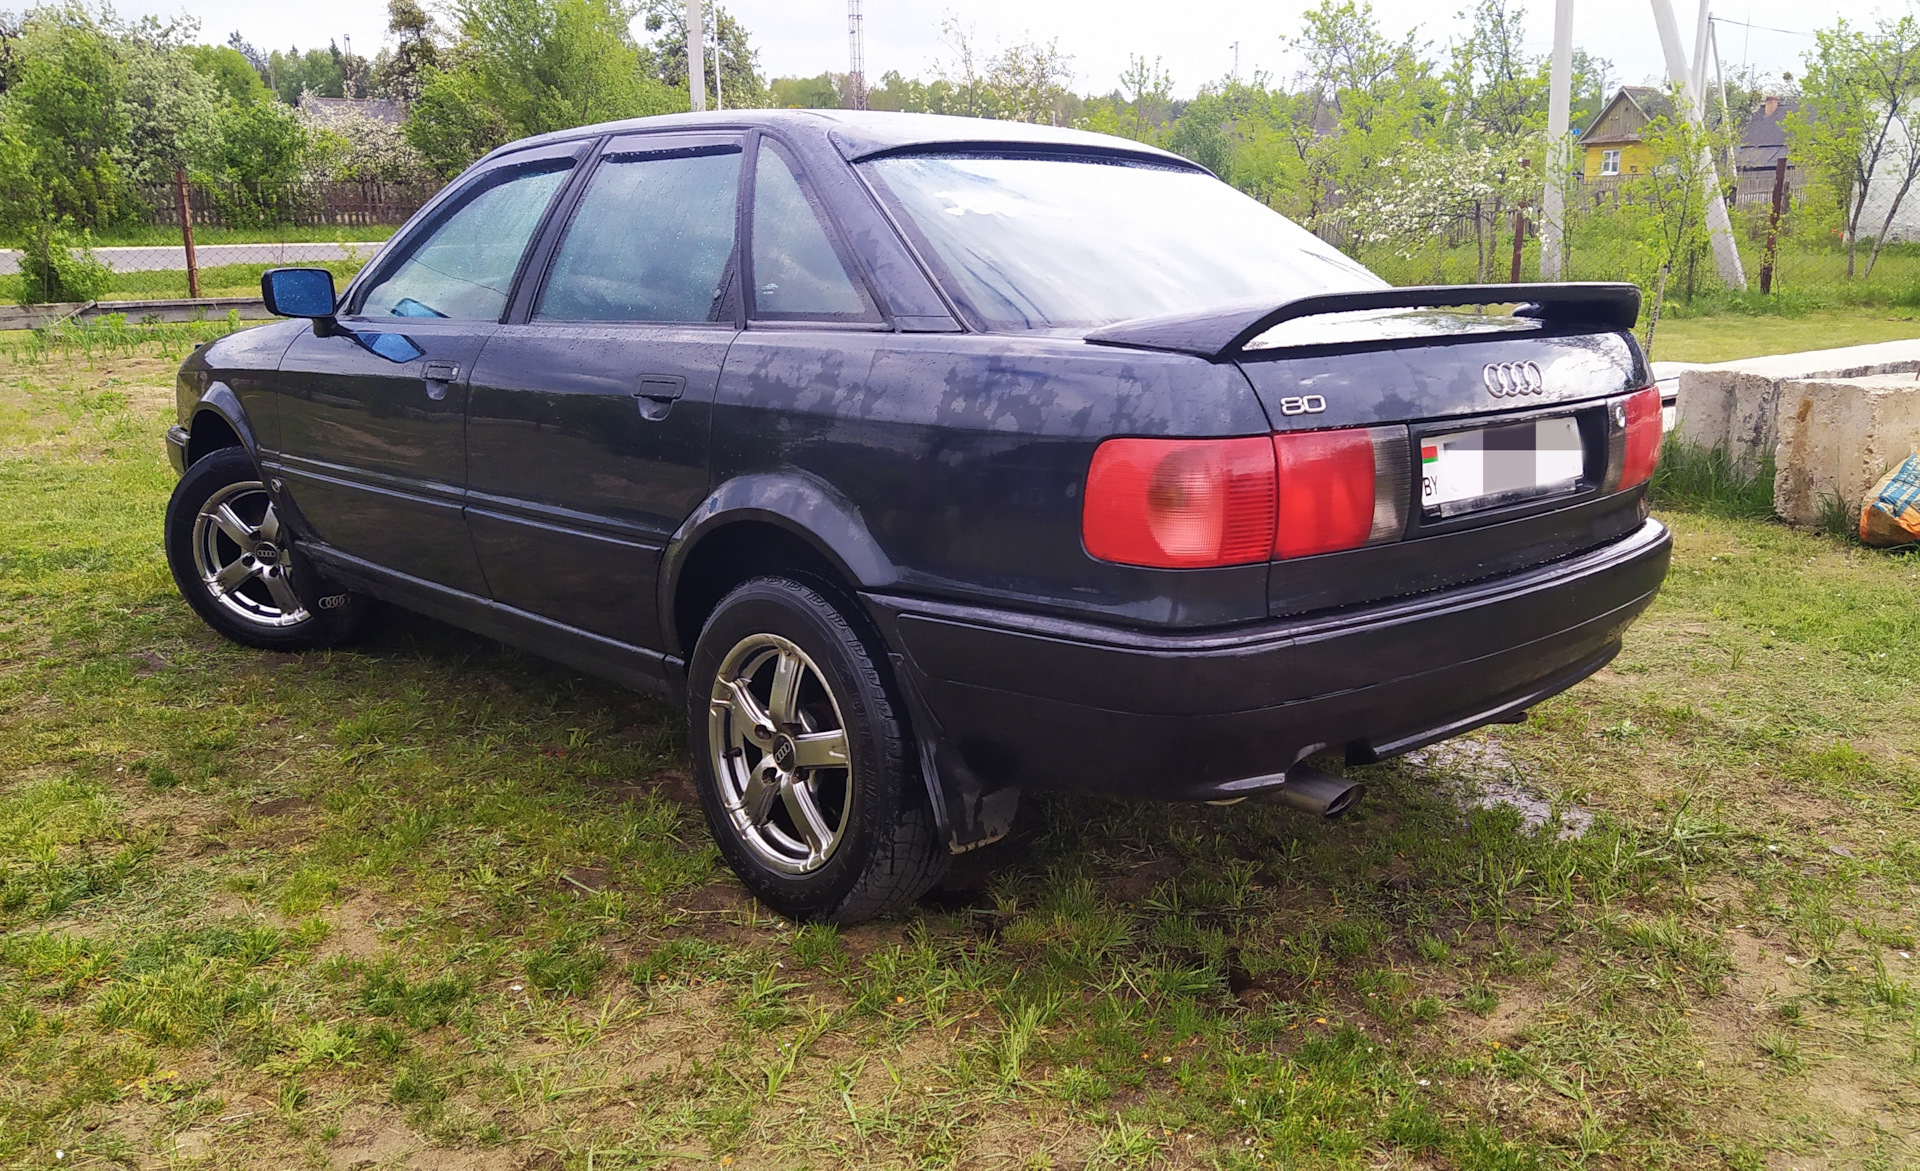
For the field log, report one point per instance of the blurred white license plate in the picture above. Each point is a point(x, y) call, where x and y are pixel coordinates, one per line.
point(1491, 466)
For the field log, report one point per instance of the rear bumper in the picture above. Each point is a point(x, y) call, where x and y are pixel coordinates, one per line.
point(1045, 703)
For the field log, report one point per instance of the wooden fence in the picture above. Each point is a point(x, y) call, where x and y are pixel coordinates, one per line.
point(309, 205)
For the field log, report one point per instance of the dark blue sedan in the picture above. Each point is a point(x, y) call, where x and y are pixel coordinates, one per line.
point(928, 460)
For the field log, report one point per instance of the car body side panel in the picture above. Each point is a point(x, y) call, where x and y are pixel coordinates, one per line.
point(245, 363)
point(965, 455)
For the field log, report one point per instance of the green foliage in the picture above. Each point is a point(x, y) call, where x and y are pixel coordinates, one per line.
point(525, 67)
point(56, 266)
point(256, 159)
point(68, 103)
point(231, 74)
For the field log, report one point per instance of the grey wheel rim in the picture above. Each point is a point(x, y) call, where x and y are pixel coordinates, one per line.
point(780, 754)
point(241, 555)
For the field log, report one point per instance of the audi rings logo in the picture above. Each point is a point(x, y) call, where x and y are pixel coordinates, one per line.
point(1513, 379)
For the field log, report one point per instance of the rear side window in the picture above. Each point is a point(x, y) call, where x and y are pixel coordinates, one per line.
point(651, 240)
point(463, 267)
point(797, 274)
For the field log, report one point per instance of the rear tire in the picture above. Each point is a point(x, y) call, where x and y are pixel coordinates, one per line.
point(237, 566)
point(805, 770)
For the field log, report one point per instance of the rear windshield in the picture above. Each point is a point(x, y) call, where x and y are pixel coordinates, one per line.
point(1038, 243)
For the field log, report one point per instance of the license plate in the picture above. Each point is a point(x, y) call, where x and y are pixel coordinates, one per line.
point(1492, 466)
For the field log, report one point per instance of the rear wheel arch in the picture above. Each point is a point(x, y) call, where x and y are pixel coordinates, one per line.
point(758, 525)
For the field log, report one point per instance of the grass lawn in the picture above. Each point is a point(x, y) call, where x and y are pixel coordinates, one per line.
point(434, 902)
point(1722, 337)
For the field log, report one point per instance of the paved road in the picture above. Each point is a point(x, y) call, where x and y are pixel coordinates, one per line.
point(174, 258)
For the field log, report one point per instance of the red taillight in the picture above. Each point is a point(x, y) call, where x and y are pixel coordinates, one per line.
point(1190, 503)
point(1645, 429)
point(1326, 491)
point(1180, 503)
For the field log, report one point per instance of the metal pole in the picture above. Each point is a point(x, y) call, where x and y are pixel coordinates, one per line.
point(1553, 201)
point(1519, 241)
point(1773, 225)
point(183, 202)
point(856, 56)
point(1726, 257)
point(1700, 50)
point(696, 56)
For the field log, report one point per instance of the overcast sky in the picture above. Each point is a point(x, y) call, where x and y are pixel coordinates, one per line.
point(1194, 37)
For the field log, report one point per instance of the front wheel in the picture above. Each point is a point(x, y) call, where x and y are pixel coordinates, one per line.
point(805, 771)
point(237, 567)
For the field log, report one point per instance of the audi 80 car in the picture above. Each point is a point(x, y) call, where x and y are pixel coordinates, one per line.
point(926, 461)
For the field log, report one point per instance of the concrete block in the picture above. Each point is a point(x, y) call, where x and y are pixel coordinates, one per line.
point(1738, 404)
point(1839, 435)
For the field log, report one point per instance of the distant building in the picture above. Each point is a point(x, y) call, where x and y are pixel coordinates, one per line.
point(1612, 145)
point(1763, 143)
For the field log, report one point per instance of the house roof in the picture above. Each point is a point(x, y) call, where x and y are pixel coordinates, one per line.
point(1763, 140)
point(1621, 119)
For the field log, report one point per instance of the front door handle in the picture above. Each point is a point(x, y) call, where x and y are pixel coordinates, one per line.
point(437, 375)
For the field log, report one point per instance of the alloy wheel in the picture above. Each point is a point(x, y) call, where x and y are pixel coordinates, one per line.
point(779, 748)
point(243, 558)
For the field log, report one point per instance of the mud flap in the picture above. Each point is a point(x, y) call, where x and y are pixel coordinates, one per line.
point(969, 812)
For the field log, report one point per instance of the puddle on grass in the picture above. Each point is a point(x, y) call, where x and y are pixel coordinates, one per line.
point(1480, 775)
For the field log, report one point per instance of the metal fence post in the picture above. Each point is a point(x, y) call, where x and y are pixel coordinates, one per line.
point(1773, 225)
point(183, 200)
point(1519, 239)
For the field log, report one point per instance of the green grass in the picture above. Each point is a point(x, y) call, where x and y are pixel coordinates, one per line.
point(225, 280)
point(273, 910)
point(1727, 335)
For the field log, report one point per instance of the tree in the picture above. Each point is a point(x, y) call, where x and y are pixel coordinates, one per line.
point(68, 105)
point(1858, 86)
point(231, 73)
point(818, 93)
point(401, 75)
point(255, 161)
point(1025, 82)
point(1499, 90)
point(740, 83)
point(523, 67)
point(173, 111)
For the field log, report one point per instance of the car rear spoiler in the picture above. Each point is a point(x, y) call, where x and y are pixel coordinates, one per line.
point(1223, 331)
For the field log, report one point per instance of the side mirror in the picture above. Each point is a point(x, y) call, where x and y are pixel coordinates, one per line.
point(300, 292)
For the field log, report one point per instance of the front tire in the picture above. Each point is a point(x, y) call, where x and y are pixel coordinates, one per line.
point(236, 565)
point(805, 771)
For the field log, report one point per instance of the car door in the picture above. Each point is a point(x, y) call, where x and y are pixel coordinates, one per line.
point(588, 412)
point(373, 408)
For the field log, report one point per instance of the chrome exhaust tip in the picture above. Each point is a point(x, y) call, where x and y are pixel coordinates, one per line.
point(1317, 791)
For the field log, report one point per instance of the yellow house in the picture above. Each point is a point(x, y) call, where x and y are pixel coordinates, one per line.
point(1612, 145)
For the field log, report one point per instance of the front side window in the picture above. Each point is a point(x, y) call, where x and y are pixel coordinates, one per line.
point(1038, 242)
point(796, 272)
point(463, 268)
point(652, 240)
point(1609, 162)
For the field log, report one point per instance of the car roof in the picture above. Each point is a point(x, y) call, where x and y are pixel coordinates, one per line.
point(859, 134)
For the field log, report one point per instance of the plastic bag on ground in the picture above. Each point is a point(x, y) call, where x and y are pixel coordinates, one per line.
point(1891, 514)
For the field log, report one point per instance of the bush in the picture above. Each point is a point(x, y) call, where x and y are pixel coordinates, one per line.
point(52, 271)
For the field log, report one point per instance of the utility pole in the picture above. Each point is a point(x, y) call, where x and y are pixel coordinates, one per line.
point(856, 57)
point(1726, 257)
point(1553, 200)
point(696, 56)
point(1700, 30)
point(719, 102)
point(1236, 60)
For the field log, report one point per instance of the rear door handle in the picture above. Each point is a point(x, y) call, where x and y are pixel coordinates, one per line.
point(437, 375)
point(657, 393)
point(661, 388)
